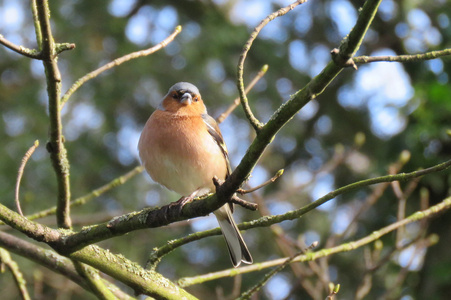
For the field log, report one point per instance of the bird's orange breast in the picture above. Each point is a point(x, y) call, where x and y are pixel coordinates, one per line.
point(179, 153)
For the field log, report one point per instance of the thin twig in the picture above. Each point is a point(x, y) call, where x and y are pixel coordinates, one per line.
point(269, 181)
point(6, 259)
point(236, 102)
point(268, 276)
point(53, 261)
point(95, 282)
point(417, 216)
point(37, 27)
point(20, 173)
point(31, 53)
point(94, 194)
point(246, 204)
point(403, 58)
point(117, 62)
point(256, 124)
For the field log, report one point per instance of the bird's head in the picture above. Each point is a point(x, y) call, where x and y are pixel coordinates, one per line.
point(183, 98)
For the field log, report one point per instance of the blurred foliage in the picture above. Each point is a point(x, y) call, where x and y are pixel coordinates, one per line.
point(103, 119)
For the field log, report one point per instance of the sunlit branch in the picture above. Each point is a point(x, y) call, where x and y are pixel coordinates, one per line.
point(94, 194)
point(94, 281)
point(20, 173)
point(51, 260)
point(269, 181)
point(419, 215)
point(31, 53)
point(5, 259)
point(270, 220)
point(256, 124)
point(402, 58)
point(236, 102)
point(55, 145)
point(117, 62)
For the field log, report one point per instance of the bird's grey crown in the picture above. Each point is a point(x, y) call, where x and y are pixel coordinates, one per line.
point(185, 86)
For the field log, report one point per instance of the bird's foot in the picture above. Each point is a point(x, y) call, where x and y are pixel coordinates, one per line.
point(183, 201)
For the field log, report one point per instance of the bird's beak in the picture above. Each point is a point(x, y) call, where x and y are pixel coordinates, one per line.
point(186, 99)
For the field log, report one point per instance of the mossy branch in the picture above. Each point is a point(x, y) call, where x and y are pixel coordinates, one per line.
point(156, 217)
point(157, 254)
point(141, 280)
point(310, 256)
point(6, 260)
point(52, 261)
point(55, 145)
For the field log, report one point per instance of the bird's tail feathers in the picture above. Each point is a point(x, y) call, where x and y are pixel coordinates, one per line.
point(237, 248)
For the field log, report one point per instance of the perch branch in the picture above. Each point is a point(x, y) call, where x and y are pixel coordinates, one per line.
point(270, 220)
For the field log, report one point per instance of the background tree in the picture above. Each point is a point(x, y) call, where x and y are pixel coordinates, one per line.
point(384, 118)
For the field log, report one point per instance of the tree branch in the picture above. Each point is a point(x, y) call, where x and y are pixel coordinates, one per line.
point(142, 281)
point(270, 220)
point(6, 259)
point(419, 215)
point(52, 261)
point(31, 53)
point(236, 102)
point(287, 110)
point(97, 285)
point(20, 173)
point(55, 145)
point(403, 58)
point(118, 267)
point(94, 194)
point(117, 62)
point(256, 124)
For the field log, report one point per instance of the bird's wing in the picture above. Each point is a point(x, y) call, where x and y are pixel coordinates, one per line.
point(214, 131)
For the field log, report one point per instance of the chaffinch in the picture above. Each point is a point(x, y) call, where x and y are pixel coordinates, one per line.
point(182, 148)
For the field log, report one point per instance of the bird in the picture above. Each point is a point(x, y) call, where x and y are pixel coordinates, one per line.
point(182, 148)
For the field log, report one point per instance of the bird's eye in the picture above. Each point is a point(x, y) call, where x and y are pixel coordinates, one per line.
point(196, 99)
point(175, 96)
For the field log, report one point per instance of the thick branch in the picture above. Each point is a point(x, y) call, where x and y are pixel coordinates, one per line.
point(146, 282)
point(312, 90)
point(52, 261)
point(156, 217)
point(270, 220)
point(142, 281)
